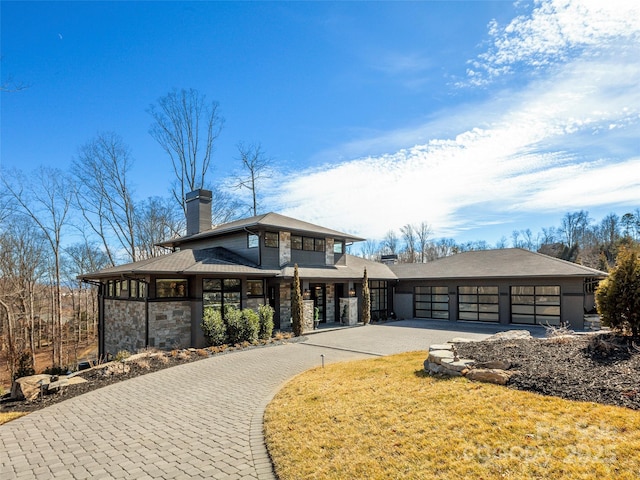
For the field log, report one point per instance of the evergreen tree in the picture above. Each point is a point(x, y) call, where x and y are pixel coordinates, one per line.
point(297, 313)
point(618, 296)
point(366, 299)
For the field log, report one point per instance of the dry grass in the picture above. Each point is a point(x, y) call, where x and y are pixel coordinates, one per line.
point(386, 419)
point(8, 416)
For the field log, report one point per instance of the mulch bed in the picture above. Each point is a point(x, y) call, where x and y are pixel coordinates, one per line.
point(96, 378)
point(602, 368)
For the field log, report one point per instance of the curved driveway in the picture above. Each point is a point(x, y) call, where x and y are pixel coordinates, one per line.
point(198, 420)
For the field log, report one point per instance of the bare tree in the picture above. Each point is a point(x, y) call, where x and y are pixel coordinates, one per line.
point(186, 127)
point(409, 237)
point(104, 195)
point(256, 167)
point(574, 226)
point(46, 199)
point(423, 232)
point(370, 250)
point(157, 220)
point(390, 243)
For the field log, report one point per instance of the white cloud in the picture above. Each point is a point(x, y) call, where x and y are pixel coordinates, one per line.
point(554, 31)
point(566, 141)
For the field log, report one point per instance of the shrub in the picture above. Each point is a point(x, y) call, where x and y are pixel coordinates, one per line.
point(215, 331)
point(235, 327)
point(297, 314)
point(25, 365)
point(250, 326)
point(266, 322)
point(122, 355)
point(618, 296)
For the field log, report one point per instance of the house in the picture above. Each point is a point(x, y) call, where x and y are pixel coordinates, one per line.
point(159, 302)
point(507, 286)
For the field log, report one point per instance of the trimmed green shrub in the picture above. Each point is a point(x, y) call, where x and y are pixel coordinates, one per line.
point(266, 322)
point(251, 325)
point(235, 328)
point(215, 331)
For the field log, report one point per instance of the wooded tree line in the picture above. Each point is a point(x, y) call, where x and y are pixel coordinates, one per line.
point(56, 225)
point(578, 238)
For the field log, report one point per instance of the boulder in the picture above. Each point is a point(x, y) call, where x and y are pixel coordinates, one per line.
point(28, 388)
point(510, 335)
point(436, 356)
point(495, 364)
point(462, 340)
point(456, 365)
point(489, 375)
point(447, 346)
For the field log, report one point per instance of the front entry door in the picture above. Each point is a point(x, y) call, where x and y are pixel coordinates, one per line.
point(318, 293)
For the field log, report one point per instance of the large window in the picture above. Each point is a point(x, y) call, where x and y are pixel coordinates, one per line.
point(378, 293)
point(252, 240)
point(171, 288)
point(431, 302)
point(535, 305)
point(478, 303)
point(255, 288)
point(338, 246)
point(219, 293)
point(296, 242)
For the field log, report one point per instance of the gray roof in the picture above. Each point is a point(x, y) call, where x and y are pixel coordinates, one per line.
point(267, 221)
point(353, 269)
point(208, 260)
point(502, 263)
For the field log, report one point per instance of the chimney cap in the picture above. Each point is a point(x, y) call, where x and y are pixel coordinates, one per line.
point(198, 193)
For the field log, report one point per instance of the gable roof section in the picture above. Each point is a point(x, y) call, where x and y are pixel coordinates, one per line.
point(208, 260)
point(267, 221)
point(503, 263)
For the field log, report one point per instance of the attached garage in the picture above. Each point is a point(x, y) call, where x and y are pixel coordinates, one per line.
point(497, 286)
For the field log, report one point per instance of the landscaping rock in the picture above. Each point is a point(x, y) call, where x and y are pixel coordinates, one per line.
point(456, 365)
point(436, 356)
point(510, 335)
point(489, 375)
point(462, 340)
point(28, 388)
point(493, 364)
point(447, 346)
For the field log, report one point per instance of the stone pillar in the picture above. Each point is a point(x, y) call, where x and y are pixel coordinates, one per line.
point(285, 248)
point(308, 315)
point(285, 306)
point(351, 304)
point(328, 253)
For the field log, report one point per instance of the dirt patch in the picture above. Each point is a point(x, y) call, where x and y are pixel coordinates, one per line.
point(152, 362)
point(602, 368)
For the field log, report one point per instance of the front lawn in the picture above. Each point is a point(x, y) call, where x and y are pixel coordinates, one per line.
point(386, 419)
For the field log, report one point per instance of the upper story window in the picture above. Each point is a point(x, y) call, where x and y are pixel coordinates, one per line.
point(271, 239)
point(320, 244)
point(296, 242)
point(338, 246)
point(255, 288)
point(253, 241)
point(308, 244)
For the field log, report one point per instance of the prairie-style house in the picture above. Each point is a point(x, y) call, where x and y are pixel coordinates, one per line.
point(159, 302)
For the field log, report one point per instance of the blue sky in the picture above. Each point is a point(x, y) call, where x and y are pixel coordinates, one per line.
point(477, 117)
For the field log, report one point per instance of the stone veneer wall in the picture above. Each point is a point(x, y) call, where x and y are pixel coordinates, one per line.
point(124, 325)
point(308, 313)
point(170, 324)
point(285, 306)
point(352, 310)
point(285, 248)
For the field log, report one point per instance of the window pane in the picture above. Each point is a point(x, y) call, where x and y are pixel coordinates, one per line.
point(468, 316)
point(338, 247)
point(441, 290)
point(467, 290)
point(488, 299)
point(522, 290)
point(307, 243)
point(440, 306)
point(522, 310)
point(527, 319)
point(296, 242)
point(423, 289)
point(212, 284)
point(468, 299)
point(271, 239)
point(547, 310)
point(488, 317)
point(320, 245)
point(255, 288)
point(231, 284)
point(142, 290)
point(171, 288)
point(444, 315)
point(522, 300)
point(547, 290)
point(253, 241)
point(488, 290)
point(134, 288)
point(550, 300)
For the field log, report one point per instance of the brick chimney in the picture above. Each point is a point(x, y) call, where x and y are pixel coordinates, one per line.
point(198, 211)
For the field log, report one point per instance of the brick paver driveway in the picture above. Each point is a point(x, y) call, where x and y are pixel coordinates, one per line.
point(198, 420)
